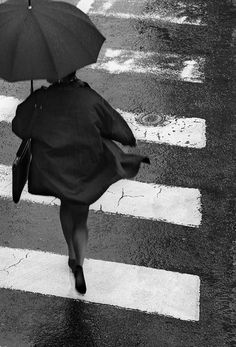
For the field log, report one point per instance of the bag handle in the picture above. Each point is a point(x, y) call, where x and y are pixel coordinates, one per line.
point(37, 107)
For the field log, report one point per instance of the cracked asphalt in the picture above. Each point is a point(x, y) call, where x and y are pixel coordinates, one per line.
point(28, 319)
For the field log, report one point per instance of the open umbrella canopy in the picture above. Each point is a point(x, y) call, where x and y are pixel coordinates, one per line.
point(44, 39)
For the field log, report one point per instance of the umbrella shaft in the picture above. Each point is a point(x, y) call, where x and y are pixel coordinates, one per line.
point(29, 3)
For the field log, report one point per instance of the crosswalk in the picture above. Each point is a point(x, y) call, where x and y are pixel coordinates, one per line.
point(141, 288)
point(128, 286)
point(142, 200)
point(150, 127)
point(133, 10)
point(171, 66)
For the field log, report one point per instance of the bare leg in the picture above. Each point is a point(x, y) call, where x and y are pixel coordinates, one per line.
point(67, 227)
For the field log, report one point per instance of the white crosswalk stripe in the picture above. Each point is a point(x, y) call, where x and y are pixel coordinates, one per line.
point(132, 10)
point(184, 132)
point(8, 105)
point(142, 200)
point(167, 66)
point(128, 286)
point(152, 16)
point(85, 5)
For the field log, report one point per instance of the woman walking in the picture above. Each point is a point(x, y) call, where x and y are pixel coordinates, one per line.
point(74, 157)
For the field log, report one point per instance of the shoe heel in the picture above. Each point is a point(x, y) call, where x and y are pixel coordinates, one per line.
point(80, 284)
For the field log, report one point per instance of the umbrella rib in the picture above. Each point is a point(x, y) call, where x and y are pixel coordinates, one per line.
point(15, 48)
point(70, 31)
point(68, 9)
point(86, 18)
point(48, 48)
point(75, 36)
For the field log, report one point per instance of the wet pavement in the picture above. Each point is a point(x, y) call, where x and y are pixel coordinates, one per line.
point(206, 30)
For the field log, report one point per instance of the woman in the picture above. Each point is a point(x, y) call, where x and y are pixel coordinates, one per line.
point(73, 155)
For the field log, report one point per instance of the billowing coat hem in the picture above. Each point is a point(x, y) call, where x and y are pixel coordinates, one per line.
point(117, 165)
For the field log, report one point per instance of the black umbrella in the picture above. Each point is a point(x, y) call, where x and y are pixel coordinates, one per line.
point(44, 39)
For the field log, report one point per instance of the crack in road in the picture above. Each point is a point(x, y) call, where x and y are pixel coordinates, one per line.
point(15, 264)
point(158, 193)
point(128, 196)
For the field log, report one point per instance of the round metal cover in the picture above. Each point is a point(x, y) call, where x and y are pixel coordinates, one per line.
point(151, 119)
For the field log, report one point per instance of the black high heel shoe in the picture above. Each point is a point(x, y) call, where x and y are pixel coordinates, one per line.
point(72, 264)
point(80, 284)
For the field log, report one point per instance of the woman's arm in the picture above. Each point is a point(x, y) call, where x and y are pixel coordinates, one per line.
point(21, 123)
point(113, 126)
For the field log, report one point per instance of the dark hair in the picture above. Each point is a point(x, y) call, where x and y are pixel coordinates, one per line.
point(69, 76)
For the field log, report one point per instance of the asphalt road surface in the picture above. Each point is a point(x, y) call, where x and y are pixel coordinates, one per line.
point(159, 264)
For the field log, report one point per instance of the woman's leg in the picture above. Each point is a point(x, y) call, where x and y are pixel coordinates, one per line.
point(74, 225)
point(80, 239)
point(80, 231)
point(67, 227)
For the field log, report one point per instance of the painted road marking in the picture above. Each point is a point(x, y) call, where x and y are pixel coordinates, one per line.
point(191, 68)
point(154, 16)
point(165, 66)
point(85, 5)
point(110, 283)
point(8, 105)
point(184, 132)
point(176, 205)
point(134, 10)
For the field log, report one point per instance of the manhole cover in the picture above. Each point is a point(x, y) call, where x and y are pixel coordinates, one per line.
point(151, 119)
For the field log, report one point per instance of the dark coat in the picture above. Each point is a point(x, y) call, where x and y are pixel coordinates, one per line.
point(73, 155)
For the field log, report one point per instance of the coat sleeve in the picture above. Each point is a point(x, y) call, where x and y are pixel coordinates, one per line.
point(21, 123)
point(112, 124)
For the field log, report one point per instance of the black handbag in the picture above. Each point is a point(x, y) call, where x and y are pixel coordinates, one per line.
point(21, 164)
point(20, 169)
